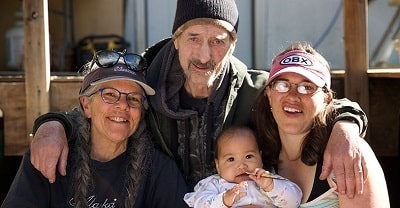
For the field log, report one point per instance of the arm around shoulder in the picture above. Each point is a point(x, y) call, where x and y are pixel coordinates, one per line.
point(375, 193)
point(351, 111)
point(61, 117)
point(49, 147)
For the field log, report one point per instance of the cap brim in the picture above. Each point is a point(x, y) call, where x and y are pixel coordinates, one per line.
point(300, 71)
point(148, 90)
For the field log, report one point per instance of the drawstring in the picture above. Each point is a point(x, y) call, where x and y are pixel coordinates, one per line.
point(209, 135)
point(186, 154)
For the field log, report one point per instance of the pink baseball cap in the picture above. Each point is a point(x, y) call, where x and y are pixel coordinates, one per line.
point(302, 63)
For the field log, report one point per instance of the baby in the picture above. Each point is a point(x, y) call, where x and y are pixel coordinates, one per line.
point(241, 179)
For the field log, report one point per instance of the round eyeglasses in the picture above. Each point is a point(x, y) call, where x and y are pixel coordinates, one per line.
point(111, 96)
point(108, 58)
point(305, 88)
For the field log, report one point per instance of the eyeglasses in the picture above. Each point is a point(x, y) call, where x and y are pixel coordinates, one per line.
point(111, 96)
point(108, 58)
point(305, 88)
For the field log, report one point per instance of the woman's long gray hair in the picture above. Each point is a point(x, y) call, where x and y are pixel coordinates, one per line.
point(139, 150)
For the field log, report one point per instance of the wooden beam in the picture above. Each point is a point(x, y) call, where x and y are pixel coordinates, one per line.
point(356, 51)
point(36, 59)
point(394, 3)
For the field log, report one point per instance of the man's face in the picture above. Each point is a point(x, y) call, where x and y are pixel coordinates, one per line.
point(203, 51)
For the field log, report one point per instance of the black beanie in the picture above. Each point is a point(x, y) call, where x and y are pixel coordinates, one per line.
point(216, 9)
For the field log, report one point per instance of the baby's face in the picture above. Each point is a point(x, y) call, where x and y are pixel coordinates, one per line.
point(237, 155)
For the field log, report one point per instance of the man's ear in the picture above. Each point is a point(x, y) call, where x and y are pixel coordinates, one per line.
point(176, 44)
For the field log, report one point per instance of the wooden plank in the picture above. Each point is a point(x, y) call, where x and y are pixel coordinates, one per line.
point(36, 59)
point(356, 52)
point(64, 96)
point(384, 73)
point(12, 103)
point(372, 73)
point(394, 3)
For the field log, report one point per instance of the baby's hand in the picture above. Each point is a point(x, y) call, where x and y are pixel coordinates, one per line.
point(264, 182)
point(233, 195)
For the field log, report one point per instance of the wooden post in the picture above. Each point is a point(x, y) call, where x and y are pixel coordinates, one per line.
point(356, 52)
point(36, 59)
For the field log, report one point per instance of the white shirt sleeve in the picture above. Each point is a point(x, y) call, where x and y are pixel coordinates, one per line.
point(284, 194)
point(206, 194)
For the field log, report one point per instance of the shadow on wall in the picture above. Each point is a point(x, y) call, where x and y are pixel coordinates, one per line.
point(391, 168)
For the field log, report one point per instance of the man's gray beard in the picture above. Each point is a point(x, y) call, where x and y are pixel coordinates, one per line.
point(212, 76)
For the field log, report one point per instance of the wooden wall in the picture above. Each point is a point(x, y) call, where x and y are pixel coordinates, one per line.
point(12, 103)
point(384, 113)
point(384, 116)
point(63, 96)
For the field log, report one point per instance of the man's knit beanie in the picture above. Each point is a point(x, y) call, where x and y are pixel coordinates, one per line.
point(187, 10)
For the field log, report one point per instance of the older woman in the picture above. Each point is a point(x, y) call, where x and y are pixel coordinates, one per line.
point(113, 162)
point(294, 117)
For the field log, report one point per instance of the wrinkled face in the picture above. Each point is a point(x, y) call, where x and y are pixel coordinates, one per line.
point(238, 153)
point(113, 122)
point(295, 112)
point(203, 51)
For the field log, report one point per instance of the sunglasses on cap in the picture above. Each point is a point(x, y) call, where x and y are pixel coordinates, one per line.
point(108, 58)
